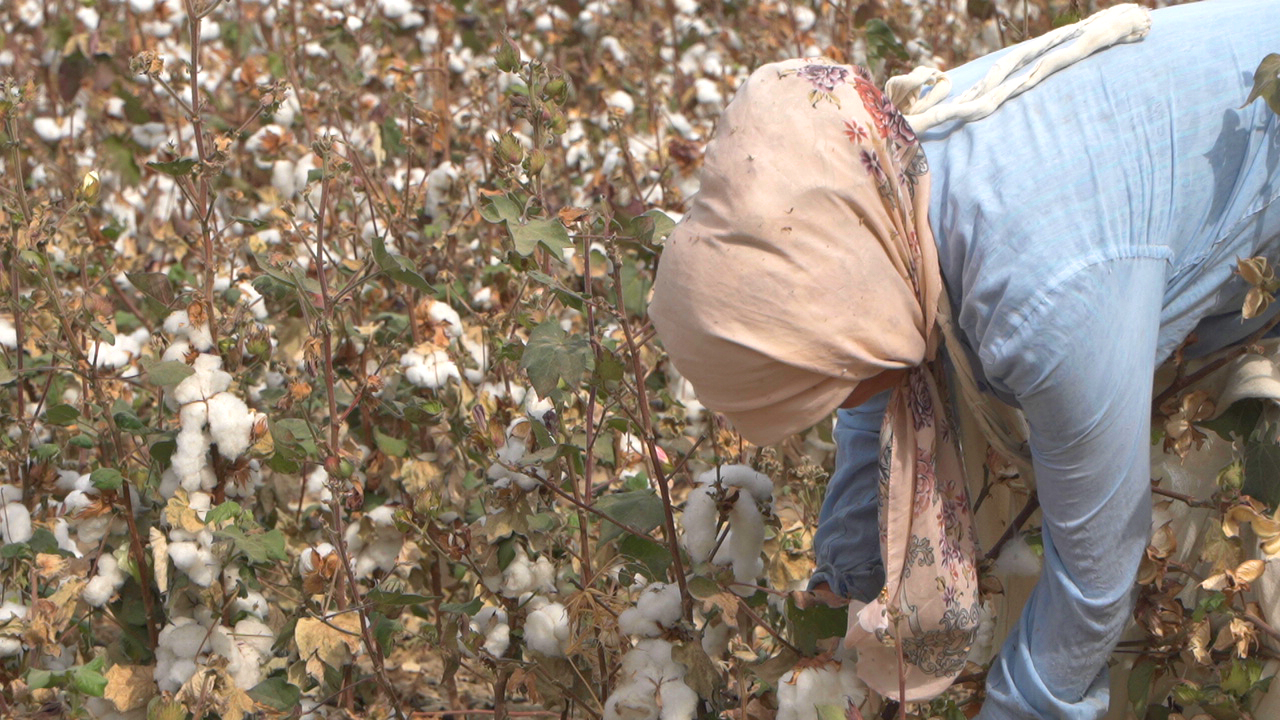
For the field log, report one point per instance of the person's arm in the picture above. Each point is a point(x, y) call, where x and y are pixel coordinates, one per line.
point(1081, 367)
point(847, 543)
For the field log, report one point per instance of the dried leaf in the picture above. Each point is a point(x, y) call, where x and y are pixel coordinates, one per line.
point(1250, 570)
point(129, 686)
point(329, 642)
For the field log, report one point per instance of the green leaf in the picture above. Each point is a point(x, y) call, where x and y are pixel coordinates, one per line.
point(176, 168)
point(501, 208)
point(397, 599)
point(88, 678)
point(277, 692)
point(395, 447)
point(226, 511)
point(169, 372)
point(61, 415)
point(1237, 421)
point(39, 679)
point(157, 285)
point(1266, 83)
point(45, 451)
point(653, 227)
point(1261, 468)
point(635, 290)
point(1140, 679)
point(552, 355)
point(468, 608)
point(399, 267)
point(549, 233)
point(118, 156)
point(392, 137)
point(259, 547)
point(812, 624)
point(107, 479)
point(641, 509)
point(651, 559)
point(162, 450)
point(881, 42)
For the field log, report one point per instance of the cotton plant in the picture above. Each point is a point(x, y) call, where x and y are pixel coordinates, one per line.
point(818, 691)
point(651, 684)
point(743, 538)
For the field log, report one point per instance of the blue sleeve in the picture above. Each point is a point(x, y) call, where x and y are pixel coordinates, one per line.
point(1081, 368)
point(847, 544)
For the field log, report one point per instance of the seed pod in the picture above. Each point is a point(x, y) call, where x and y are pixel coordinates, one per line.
point(537, 160)
point(507, 58)
point(509, 149)
point(557, 90)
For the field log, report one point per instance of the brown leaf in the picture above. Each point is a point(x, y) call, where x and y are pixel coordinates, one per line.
point(129, 686)
point(1250, 570)
point(570, 215)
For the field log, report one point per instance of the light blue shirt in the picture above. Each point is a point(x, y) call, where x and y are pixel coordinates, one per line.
point(1084, 230)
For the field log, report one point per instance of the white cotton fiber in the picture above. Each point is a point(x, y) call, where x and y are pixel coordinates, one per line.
point(431, 369)
point(444, 315)
point(15, 523)
point(491, 622)
point(699, 523)
point(1018, 559)
point(546, 630)
point(230, 424)
point(801, 693)
point(651, 686)
point(658, 607)
point(745, 538)
point(103, 586)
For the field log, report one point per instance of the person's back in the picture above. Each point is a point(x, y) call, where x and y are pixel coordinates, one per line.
point(1143, 150)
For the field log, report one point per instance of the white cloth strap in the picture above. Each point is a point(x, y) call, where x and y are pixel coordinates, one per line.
point(1051, 52)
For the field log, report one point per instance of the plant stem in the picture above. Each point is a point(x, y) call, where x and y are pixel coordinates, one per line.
point(664, 485)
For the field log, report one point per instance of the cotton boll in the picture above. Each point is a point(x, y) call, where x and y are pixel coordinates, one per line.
point(8, 334)
point(658, 607)
point(621, 101)
point(651, 686)
point(518, 576)
point(984, 647)
point(230, 424)
point(442, 314)
point(802, 693)
point(546, 630)
point(715, 639)
point(699, 523)
point(255, 634)
point(707, 92)
point(9, 610)
point(1018, 559)
point(491, 622)
point(253, 603)
point(432, 369)
point(103, 586)
point(312, 557)
point(15, 523)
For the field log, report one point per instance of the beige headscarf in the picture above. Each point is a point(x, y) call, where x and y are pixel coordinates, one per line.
point(805, 266)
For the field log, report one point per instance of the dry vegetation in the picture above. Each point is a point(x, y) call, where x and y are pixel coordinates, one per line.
point(327, 388)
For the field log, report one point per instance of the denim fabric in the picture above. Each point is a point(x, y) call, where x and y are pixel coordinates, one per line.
point(1084, 230)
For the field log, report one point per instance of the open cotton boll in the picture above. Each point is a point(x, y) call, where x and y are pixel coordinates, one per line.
point(230, 424)
point(1018, 559)
point(311, 558)
point(802, 694)
point(658, 607)
point(699, 523)
point(491, 622)
point(9, 610)
point(15, 523)
point(621, 101)
point(546, 630)
point(523, 575)
point(178, 324)
point(984, 647)
point(8, 334)
point(742, 544)
point(651, 686)
point(103, 586)
point(431, 369)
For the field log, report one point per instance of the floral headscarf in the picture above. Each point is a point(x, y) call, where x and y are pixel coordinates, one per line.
point(805, 266)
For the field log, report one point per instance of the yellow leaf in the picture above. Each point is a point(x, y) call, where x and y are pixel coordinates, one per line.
point(160, 557)
point(129, 686)
point(329, 642)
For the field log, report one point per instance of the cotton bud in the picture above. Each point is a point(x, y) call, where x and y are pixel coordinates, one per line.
point(557, 90)
point(537, 160)
point(507, 59)
point(509, 149)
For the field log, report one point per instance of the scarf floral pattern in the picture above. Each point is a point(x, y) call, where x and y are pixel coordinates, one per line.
point(920, 628)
